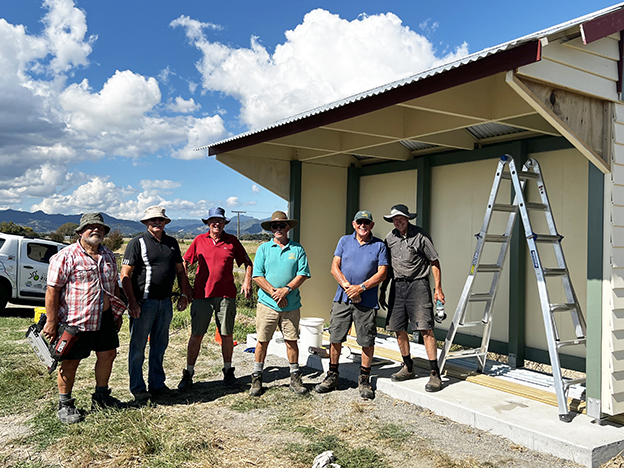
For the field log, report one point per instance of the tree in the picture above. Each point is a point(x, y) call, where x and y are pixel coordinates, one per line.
point(12, 228)
point(67, 229)
point(114, 241)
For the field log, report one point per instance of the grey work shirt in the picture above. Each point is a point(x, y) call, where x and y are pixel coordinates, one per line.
point(411, 256)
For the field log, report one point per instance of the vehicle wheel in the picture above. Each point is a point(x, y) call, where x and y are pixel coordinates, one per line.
point(4, 297)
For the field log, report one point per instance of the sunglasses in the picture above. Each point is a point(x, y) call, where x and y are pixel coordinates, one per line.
point(161, 220)
point(365, 222)
point(275, 226)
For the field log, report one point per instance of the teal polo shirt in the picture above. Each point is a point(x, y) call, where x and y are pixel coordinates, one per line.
point(279, 266)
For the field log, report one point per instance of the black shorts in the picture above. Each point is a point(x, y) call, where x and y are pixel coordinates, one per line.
point(104, 339)
point(410, 303)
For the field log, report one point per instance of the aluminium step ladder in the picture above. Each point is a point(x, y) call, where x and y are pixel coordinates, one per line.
point(530, 173)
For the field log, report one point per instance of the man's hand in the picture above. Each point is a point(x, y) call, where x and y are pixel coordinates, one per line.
point(50, 330)
point(279, 296)
point(438, 295)
point(354, 290)
point(246, 289)
point(182, 303)
point(134, 309)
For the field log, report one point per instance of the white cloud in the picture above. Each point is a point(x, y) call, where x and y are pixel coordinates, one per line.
point(323, 59)
point(183, 106)
point(159, 184)
point(255, 188)
point(232, 202)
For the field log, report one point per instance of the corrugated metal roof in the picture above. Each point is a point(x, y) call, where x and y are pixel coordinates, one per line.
point(426, 73)
point(492, 129)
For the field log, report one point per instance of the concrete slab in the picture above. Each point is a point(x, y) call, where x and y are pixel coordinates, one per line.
point(524, 421)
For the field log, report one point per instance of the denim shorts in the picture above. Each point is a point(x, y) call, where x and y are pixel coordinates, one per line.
point(224, 309)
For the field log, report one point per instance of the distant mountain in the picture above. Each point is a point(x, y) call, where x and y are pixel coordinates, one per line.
point(44, 223)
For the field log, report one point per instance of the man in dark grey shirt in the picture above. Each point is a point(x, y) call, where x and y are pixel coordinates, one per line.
point(412, 258)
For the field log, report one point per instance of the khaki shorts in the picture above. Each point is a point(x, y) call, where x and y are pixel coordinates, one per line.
point(267, 320)
point(224, 309)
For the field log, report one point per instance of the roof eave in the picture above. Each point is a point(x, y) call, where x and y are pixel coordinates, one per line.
point(524, 54)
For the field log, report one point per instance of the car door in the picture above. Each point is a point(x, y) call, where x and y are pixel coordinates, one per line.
point(33, 267)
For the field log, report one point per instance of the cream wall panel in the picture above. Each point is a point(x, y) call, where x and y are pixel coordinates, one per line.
point(617, 277)
point(618, 130)
point(618, 216)
point(617, 361)
point(565, 175)
point(606, 47)
point(617, 257)
point(617, 318)
point(459, 198)
point(591, 63)
point(323, 204)
point(618, 236)
point(378, 193)
point(618, 151)
point(617, 382)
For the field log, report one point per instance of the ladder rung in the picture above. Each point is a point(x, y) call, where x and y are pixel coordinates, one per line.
point(569, 383)
point(536, 206)
point(566, 307)
point(521, 175)
point(496, 238)
point(471, 324)
point(504, 207)
point(555, 271)
point(465, 353)
point(546, 238)
point(480, 297)
point(489, 268)
point(561, 344)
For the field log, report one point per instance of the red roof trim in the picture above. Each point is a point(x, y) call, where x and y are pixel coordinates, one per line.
point(602, 26)
point(511, 59)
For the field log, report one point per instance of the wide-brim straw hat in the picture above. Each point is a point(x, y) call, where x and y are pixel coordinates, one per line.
point(399, 210)
point(279, 217)
point(92, 218)
point(155, 212)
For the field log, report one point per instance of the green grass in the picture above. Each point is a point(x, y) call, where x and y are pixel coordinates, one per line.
point(394, 434)
point(346, 457)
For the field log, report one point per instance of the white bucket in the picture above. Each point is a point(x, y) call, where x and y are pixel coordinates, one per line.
point(311, 333)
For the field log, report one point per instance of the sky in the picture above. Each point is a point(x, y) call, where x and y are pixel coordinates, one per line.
point(102, 103)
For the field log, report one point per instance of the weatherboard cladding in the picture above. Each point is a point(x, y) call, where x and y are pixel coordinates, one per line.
point(470, 59)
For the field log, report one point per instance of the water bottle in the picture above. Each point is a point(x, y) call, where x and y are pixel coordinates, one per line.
point(440, 315)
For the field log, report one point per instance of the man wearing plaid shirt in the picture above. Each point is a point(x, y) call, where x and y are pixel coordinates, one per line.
point(83, 293)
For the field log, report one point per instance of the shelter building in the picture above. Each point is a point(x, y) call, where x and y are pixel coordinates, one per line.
point(432, 141)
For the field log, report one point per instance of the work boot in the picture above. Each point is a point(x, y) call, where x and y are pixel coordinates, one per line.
point(296, 385)
point(229, 378)
point(328, 384)
point(403, 375)
point(256, 384)
point(104, 400)
point(162, 392)
point(142, 398)
point(435, 383)
point(68, 413)
point(364, 386)
point(187, 381)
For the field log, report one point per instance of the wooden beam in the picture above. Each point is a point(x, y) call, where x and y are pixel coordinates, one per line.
point(602, 26)
point(532, 123)
point(459, 139)
point(578, 118)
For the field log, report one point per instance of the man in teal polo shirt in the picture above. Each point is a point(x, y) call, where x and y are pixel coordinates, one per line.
point(280, 267)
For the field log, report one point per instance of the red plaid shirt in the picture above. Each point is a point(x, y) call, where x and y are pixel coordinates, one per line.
point(84, 281)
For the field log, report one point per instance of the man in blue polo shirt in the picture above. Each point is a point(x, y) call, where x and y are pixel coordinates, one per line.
point(280, 267)
point(151, 263)
point(360, 264)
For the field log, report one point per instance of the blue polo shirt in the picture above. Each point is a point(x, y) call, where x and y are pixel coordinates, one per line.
point(279, 266)
point(358, 262)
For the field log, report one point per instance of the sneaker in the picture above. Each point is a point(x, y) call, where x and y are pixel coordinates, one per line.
point(364, 386)
point(68, 413)
point(142, 397)
point(403, 375)
point(105, 400)
point(229, 378)
point(296, 384)
point(162, 392)
point(187, 381)
point(328, 384)
point(435, 383)
point(256, 384)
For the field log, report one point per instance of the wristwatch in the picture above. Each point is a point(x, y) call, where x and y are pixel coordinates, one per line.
point(289, 288)
point(363, 286)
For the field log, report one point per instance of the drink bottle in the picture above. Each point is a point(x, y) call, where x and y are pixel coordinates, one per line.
point(439, 315)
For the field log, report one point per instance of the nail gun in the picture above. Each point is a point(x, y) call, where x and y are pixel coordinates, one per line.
point(50, 354)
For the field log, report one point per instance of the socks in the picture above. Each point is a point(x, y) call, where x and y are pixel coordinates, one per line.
point(434, 366)
point(365, 371)
point(190, 369)
point(64, 397)
point(101, 390)
point(294, 367)
point(258, 367)
point(227, 365)
point(409, 363)
point(333, 368)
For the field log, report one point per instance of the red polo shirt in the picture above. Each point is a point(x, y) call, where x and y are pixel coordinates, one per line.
point(215, 264)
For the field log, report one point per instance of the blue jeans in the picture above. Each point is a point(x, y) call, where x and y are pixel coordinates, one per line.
point(154, 322)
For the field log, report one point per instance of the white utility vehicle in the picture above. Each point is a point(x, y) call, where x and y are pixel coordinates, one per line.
point(24, 268)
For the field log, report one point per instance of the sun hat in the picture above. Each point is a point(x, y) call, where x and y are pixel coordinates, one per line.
point(363, 214)
point(399, 210)
point(155, 212)
point(216, 212)
point(92, 218)
point(279, 216)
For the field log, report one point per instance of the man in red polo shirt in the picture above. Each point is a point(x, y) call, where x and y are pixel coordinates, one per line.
point(214, 291)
